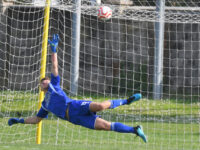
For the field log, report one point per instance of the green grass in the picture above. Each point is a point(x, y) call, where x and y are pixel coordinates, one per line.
point(168, 124)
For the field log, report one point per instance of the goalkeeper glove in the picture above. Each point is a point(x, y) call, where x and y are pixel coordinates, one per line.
point(12, 121)
point(54, 42)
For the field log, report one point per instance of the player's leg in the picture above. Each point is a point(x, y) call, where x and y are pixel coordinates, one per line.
point(101, 124)
point(131, 99)
point(80, 114)
point(99, 106)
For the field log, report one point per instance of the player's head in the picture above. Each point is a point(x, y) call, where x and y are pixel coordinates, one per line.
point(44, 84)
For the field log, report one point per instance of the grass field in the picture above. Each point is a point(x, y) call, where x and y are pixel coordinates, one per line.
point(168, 124)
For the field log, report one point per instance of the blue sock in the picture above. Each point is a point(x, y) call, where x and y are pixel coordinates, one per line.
point(117, 102)
point(119, 127)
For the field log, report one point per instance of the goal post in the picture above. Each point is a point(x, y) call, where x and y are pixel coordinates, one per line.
point(158, 57)
point(75, 47)
point(43, 63)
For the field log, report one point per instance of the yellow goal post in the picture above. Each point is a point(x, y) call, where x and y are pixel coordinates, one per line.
point(43, 64)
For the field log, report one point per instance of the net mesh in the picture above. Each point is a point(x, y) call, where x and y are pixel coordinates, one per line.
point(116, 60)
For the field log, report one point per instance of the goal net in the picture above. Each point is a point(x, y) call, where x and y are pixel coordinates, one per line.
point(117, 59)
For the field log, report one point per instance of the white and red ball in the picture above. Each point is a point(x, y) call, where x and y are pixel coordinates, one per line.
point(104, 13)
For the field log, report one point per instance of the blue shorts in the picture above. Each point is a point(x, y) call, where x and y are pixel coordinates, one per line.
point(80, 114)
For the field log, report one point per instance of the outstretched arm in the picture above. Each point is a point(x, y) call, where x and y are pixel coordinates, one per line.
point(30, 120)
point(54, 60)
point(54, 67)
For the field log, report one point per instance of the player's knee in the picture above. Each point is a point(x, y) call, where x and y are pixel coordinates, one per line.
point(103, 126)
point(96, 106)
point(100, 107)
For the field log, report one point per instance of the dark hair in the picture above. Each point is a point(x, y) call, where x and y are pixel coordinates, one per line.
point(45, 78)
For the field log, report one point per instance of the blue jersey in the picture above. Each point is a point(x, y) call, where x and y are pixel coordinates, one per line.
point(55, 100)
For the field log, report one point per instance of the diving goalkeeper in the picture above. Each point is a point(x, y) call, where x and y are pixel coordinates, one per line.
point(78, 112)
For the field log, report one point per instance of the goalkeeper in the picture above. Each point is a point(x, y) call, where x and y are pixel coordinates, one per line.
point(78, 112)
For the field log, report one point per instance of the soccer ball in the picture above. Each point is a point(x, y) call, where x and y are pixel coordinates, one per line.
point(104, 13)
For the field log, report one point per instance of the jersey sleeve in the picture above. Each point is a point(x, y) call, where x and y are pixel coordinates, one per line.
point(42, 113)
point(55, 80)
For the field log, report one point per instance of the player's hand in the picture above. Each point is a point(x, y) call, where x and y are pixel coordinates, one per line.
point(12, 121)
point(54, 42)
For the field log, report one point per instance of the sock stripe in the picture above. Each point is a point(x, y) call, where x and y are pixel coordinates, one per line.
point(111, 105)
point(112, 128)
